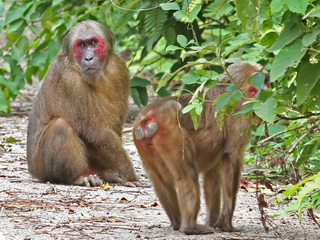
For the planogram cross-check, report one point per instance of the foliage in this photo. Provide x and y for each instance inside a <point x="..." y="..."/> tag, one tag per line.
<point x="182" y="46"/>
<point x="307" y="194"/>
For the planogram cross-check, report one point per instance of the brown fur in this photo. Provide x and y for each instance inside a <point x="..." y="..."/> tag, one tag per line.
<point x="76" y="123"/>
<point x="176" y="154"/>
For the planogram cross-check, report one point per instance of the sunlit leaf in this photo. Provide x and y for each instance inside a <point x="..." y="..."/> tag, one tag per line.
<point x="266" y="110"/>
<point x="169" y="6"/>
<point x="190" y="78"/>
<point x="289" y="56"/>
<point x="306" y="81"/>
<point x="139" y="82"/>
<point x="182" y="40"/>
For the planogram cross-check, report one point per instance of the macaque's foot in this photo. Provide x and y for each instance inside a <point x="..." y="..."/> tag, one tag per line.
<point x="226" y="227"/>
<point x="90" y="180"/>
<point x="175" y="226"/>
<point x="198" y="229"/>
<point x="133" y="184"/>
<point x="114" y="177"/>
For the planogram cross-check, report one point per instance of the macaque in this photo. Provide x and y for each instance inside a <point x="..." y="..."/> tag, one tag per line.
<point x="75" y="126"/>
<point x="174" y="154"/>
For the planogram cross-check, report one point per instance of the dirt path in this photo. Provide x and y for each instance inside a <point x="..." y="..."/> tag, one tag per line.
<point x="33" y="210"/>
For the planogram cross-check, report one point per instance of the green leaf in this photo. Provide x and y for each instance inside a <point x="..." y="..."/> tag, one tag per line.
<point x="4" y="104"/>
<point x="139" y="96"/>
<point x="16" y="12"/>
<point x="315" y="12"/>
<point x="237" y="95"/>
<point x="12" y="140"/>
<point x="182" y="16"/>
<point x="182" y="40"/>
<point x="12" y="87"/>
<point x="266" y="110"/>
<point x="195" y="118"/>
<point x="218" y="8"/>
<point x="194" y="12"/>
<point x="190" y="78"/>
<point x="269" y="38"/>
<point x="17" y="25"/>
<point x="297" y="6"/>
<point x="198" y="109"/>
<point x="289" y="56"/>
<point x="245" y="109"/>
<point x="248" y="12"/>
<point x="231" y="88"/>
<point x="310" y="38"/>
<point x="170" y="36"/>
<point x="188" y="108"/>
<point x="139" y="82"/>
<point x="172" y="48"/>
<point x="222" y="101"/>
<point x="306" y="153"/>
<point x="34" y="29"/>
<point x="277" y="5"/>
<point x="257" y="80"/>
<point x="169" y="6"/>
<point x="307" y="78"/>
<point x="164" y="80"/>
<point x="291" y="31"/>
<point x="39" y="58"/>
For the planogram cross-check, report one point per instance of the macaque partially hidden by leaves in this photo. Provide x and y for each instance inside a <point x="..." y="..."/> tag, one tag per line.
<point x="174" y="154"/>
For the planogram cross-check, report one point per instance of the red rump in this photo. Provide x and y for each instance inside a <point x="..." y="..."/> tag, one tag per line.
<point x="151" y="118"/>
<point x="99" y="49"/>
<point x="147" y="120"/>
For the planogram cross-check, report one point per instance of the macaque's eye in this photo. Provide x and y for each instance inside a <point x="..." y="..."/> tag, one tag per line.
<point x="93" y="42"/>
<point x="82" y="45"/>
<point x="267" y="79"/>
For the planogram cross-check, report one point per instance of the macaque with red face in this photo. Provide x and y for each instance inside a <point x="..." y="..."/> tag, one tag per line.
<point x="75" y="126"/>
<point x="174" y="154"/>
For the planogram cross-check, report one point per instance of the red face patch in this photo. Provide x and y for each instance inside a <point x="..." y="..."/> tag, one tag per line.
<point x="252" y="91"/>
<point x="96" y="43"/>
<point x="101" y="48"/>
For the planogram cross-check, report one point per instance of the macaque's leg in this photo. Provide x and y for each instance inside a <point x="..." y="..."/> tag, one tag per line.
<point x="111" y="160"/>
<point x="60" y="154"/>
<point x="165" y="190"/>
<point x="177" y="152"/>
<point x="212" y="193"/>
<point x="231" y="171"/>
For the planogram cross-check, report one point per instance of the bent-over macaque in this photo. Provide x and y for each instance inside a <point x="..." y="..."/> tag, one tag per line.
<point x="174" y="154"/>
<point x="75" y="126"/>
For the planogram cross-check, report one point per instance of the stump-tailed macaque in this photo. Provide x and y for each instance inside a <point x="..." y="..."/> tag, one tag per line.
<point x="174" y="154"/>
<point x="75" y="126"/>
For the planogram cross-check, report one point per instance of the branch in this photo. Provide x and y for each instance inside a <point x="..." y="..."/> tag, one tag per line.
<point x="279" y="133"/>
<point x="135" y="10"/>
<point x="300" y="117"/>
<point x="301" y="138"/>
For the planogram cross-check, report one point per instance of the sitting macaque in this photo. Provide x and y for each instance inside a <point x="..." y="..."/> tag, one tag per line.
<point x="174" y="154"/>
<point x="75" y="126"/>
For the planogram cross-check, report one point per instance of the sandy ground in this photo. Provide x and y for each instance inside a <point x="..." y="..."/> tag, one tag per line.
<point x="33" y="210"/>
